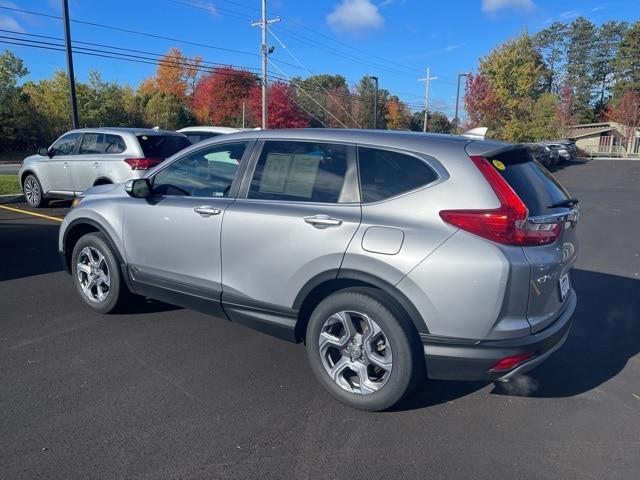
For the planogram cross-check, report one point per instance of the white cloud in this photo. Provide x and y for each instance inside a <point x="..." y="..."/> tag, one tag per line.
<point x="355" y="16"/>
<point x="491" y="6"/>
<point x="452" y="47"/>
<point x="10" y="23"/>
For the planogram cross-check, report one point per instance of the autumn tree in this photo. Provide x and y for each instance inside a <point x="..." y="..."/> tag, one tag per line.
<point x="627" y="113"/>
<point x="481" y="104"/>
<point x="283" y="111"/>
<point x="219" y="95"/>
<point x="398" y="114"/>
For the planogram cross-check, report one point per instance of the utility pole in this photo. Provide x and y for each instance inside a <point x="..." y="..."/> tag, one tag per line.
<point x="427" y="81"/>
<point x="264" y="23"/>
<point x="72" y="81"/>
<point x="375" y="104"/>
<point x="456" y="119"/>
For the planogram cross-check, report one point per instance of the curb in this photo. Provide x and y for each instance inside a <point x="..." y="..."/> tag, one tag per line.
<point x="14" y="198"/>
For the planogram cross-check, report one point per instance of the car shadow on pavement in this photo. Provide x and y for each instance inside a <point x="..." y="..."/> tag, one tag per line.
<point x="146" y="305"/>
<point x="604" y="336"/>
<point x="28" y="249"/>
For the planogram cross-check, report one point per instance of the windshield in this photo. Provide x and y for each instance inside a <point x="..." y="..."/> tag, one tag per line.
<point x="162" y="146"/>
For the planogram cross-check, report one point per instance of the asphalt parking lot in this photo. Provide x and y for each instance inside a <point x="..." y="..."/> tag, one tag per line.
<point x="168" y="393"/>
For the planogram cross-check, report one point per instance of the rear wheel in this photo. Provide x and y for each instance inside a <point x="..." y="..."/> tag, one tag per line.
<point x="360" y="350"/>
<point x="33" y="192"/>
<point x="97" y="275"/>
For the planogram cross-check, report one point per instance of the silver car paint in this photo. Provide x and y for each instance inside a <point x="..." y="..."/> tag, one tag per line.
<point x="462" y="285"/>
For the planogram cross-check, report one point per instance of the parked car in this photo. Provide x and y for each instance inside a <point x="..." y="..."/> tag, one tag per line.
<point x="544" y="154"/>
<point x="197" y="134"/>
<point x="566" y="150"/>
<point x="82" y="158"/>
<point x="389" y="254"/>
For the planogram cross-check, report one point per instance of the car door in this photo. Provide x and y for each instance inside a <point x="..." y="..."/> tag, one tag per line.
<point x="293" y="220"/>
<point x="57" y="176"/>
<point x="85" y="166"/>
<point x="172" y="238"/>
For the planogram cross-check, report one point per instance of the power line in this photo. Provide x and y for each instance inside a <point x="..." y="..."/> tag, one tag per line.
<point x="315" y="79"/>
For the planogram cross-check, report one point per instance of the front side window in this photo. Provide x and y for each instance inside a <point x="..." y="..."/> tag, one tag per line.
<point x="114" y="144"/>
<point x="300" y="171"/>
<point x="208" y="172"/>
<point x="92" y="143"/>
<point x="385" y="174"/>
<point x="66" y="144"/>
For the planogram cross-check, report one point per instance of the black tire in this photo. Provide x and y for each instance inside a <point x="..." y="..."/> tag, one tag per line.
<point x="33" y="193"/>
<point x="401" y="337"/>
<point x="118" y="295"/>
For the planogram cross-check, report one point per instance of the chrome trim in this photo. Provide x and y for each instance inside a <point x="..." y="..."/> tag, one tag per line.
<point x="571" y="215"/>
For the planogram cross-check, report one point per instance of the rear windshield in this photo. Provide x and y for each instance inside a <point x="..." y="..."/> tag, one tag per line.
<point x="533" y="183"/>
<point x="162" y="146"/>
<point x="199" y="136"/>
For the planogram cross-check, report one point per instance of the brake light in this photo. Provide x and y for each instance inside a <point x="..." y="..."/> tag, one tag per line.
<point x="506" y="224"/>
<point x="142" y="163"/>
<point x="509" y="363"/>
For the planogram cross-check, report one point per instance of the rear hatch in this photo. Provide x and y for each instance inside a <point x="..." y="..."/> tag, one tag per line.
<point x="550" y="207"/>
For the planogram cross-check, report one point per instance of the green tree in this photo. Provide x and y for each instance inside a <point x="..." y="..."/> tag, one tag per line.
<point x="16" y="111"/>
<point x="552" y="43"/>
<point x="544" y="122"/>
<point x="580" y="55"/>
<point x="364" y="103"/>
<point x="517" y="76"/>
<point x="326" y="97"/>
<point x="437" y="122"/>
<point x="608" y="38"/>
<point x="166" y="110"/>
<point x="627" y="62"/>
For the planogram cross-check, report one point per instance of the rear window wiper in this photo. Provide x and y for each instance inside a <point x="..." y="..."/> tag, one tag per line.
<point x="569" y="202"/>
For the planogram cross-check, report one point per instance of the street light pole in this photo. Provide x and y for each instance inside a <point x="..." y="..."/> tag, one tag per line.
<point x="427" y="81"/>
<point x="456" y="119"/>
<point x="72" y="81"/>
<point x="375" y="104"/>
<point x="263" y="23"/>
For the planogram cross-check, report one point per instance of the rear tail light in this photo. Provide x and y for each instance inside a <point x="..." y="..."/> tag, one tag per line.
<point x="142" y="163"/>
<point x="507" y="224"/>
<point x="511" y="362"/>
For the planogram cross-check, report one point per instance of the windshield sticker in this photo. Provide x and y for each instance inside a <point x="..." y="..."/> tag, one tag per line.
<point x="498" y="164"/>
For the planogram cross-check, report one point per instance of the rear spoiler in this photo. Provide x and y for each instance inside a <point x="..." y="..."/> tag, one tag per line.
<point x="492" y="148"/>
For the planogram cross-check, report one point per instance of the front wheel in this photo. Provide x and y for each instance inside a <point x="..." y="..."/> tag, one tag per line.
<point x="33" y="192"/>
<point x="360" y="350"/>
<point x="97" y="275"/>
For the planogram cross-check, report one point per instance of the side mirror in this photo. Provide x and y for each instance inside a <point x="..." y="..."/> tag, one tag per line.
<point x="138" y="187"/>
<point x="44" y="152"/>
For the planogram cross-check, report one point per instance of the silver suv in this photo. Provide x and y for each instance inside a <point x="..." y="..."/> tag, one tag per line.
<point x="80" y="159"/>
<point x="390" y="255"/>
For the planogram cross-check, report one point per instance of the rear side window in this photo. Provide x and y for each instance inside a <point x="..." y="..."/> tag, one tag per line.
<point x="300" y="171"/>
<point x="92" y="143"/>
<point x="385" y="174"/>
<point x="114" y="144"/>
<point x="533" y="183"/>
<point x="162" y="146"/>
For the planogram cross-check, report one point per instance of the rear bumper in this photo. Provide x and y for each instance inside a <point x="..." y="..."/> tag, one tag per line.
<point x="456" y="359"/>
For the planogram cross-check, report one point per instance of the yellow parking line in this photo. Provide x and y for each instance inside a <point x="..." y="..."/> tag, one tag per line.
<point x="33" y="214"/>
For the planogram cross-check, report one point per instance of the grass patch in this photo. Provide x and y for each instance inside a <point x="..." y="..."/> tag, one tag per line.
<point x="9" y="184"/>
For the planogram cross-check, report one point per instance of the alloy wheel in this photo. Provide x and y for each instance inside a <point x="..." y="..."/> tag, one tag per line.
<point x="93" y="274"/>
<point x="32" y="191"/>
<point x="355" y="352"/>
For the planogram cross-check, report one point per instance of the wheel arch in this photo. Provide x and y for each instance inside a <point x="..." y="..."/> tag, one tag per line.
<point x="25" y="174"/>
<point x="102" y="181"/>
<point x="76" y="230"/>
<point x="326" y="283"/>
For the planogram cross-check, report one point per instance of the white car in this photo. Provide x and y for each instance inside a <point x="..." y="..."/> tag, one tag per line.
<point x="197" y="134"/>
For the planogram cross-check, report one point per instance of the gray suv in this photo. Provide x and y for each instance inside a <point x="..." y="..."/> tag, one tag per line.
<point x="391" y="255"/>
<point x="82" y="158"/>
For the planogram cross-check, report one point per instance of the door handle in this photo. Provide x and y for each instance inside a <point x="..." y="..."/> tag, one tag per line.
<point x="66" y="165"/>
<point x="206" y="211"/>
<point x="96" y="164"/>
<point x="323" y="221"/>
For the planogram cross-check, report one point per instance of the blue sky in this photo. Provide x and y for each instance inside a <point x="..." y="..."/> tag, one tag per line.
<point x="395" y="40"/>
